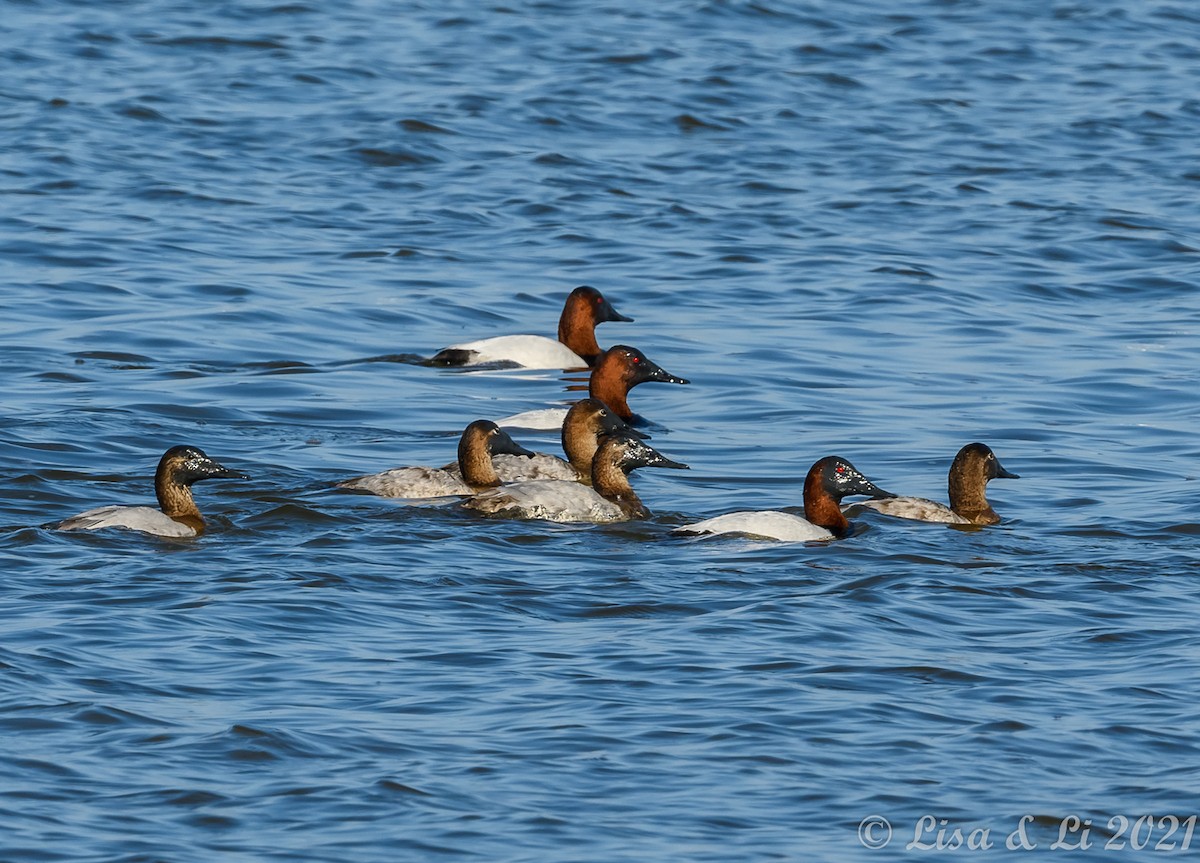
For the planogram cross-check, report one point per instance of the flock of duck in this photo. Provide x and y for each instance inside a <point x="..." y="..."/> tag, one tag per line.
<point x="495" y="475"/>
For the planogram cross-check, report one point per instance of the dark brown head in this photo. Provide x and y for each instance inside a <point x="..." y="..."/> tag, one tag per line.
<point x="584" y="309"/>
<point x="972" y="469"/>
<point x="618" y="455"/>
<point x="586" y="423"/>
<point x="829" y="480"/>
<point x="179" y="467"/>
<point x="485" y="435"/>
<point x="620" y="369"/>
<point x="184" y="465"/>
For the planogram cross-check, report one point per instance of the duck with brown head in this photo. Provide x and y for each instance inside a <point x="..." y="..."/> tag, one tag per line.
<point x="610" y="498"/>
<point x="586" y="423"/>
<point x="480" y="442"/>
<point x="828" y="481"/>
<point x="972" y="469"/>
<point x="576" y="347"/>
<point x="177" y="515"/>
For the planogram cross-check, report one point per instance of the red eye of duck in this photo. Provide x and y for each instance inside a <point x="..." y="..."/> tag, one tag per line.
<point x="599" y="300"/>
<point x="841" y="468"/>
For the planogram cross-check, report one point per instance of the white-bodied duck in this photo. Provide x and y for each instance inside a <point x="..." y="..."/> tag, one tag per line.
<point x="575" y="348"/>
<point x="828" y="481"/>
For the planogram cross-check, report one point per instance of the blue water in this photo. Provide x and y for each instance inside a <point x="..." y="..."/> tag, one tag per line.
<point x="877" y="232"/>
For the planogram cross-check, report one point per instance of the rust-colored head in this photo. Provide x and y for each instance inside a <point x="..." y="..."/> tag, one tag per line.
<point x="829" y="480"/>
<point x="584" y="309"/>
<point x="620" y="369"/>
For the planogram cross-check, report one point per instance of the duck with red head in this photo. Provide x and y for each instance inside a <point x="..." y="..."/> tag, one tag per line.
<point x="970" y="472"/>
<point x="576" y="347"/>
<point x="177" y="515"/>
<point x="620" y="369"/>
<point x="828" y="481"/>
<point x="585" y="425"/>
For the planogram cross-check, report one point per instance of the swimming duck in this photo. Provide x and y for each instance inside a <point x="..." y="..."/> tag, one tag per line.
<point x="610" y="498"/>
<point x="829" y="480"/>
<point x="619" y="369"/>
<point x="576" y="346"/>
<point x="970" y="471"/>
<point x="480" y="441"/>
<point x="585" y="424"/>
<point x="177" y="515"/>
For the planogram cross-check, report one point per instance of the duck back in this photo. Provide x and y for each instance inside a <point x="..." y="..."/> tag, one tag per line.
<point x="916" y="509"/>
<point x="531" y="352"/>
<point x="548" y="500"/>
<point x="146" y="519"/>
<point x="771" y="524"/>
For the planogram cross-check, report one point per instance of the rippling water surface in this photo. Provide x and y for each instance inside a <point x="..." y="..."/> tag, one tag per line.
<point x="876" y="232"/>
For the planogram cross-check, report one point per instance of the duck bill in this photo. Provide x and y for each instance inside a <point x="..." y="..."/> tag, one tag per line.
<point x="503" y="444"/>
<point x="864" y="486"/>
<point x="215" y="470"/>
<point x="651" y="371"/>
<point x="1001" y="473"/>
<point x="608" y="313"/>
<point x="653" y="458"/>
<point x="613" y="424"/>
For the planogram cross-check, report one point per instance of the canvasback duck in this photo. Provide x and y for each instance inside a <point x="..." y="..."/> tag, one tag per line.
<point x="177" y="515"/>
<point x="585" y="424"/>
<point x="576" y="347"/>
<point x="970" y="472"/>
<point x="619" y="369"/>
<point x="828" y="481"/>
<point x="610" y="497"/>
<point x="479" y="443"/>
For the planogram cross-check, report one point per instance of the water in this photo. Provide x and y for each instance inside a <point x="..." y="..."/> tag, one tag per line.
<point x="880" y="233"/>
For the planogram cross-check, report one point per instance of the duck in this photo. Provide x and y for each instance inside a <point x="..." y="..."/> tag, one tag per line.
<point x="480" y="442"/>
<point x="970" y="472"/>
<point x="177" y="514"/>
<point x="619" y="369"/>
<point x="585" y="424"/>
<point x="609" y="499"/>
<point x="576" y="347"/>
<point x="828" y="481"/>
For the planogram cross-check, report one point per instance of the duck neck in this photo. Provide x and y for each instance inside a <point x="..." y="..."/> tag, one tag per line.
<point x="821" y="509"/>
<point x="475" y="462"/>
<point x="579" y="443"/>
<point x="612" y="483"/>
<point x="611" y="389"/>
<point x="176" y="502"/>
<point x="968" y="499"/>
<point x="578" y="332"/>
